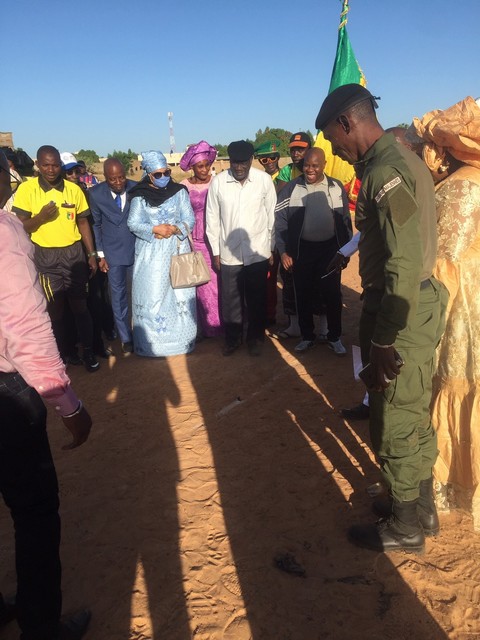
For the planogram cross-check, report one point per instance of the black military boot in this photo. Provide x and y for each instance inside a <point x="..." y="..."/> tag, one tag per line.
<point x="427" y="511"/>
<point x="402" y="531"/>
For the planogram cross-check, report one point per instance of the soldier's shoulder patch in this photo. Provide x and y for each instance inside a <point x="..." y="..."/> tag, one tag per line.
<point x="386" y="187"/>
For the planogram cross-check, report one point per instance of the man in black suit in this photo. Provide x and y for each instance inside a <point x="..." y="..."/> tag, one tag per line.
<point x="114" y="241"/>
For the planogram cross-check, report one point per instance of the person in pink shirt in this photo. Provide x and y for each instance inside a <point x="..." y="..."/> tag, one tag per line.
<point x="198" y="158"/>
<point x="31" y="370"/>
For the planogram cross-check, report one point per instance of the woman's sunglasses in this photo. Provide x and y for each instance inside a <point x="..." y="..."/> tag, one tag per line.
<point x="162" y="174"/>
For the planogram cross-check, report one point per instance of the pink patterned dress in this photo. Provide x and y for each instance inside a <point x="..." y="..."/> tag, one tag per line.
<point x="208" y="308"/>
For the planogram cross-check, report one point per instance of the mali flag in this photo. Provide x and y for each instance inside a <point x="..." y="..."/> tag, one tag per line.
<point x="345" y="68"/>
<point x="345" y="71"/>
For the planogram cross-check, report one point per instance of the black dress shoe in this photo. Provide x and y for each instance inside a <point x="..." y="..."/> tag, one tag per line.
<point x="73" y="358"/>
<point x="90" y="361"/>
<point x="229" y="349"/>
<point x="8" y="610"/>
<point x="255" y="348"/>
<point x="127" y="347"/>
<point x="104" y="353"/>
<point x="75" y="626"/>
<point x="360" y="412"/>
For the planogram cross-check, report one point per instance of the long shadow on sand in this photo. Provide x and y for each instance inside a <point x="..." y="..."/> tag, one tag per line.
<point x="292" y="478"/>
<point x="120" y="507"/>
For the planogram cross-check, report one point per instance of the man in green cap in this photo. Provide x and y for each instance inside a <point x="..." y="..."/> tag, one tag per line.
<point x="268" y="155"/>
<point x="402" y="316"/>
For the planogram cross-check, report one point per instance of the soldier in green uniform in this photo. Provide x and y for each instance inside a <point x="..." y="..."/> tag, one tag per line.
<point x="402" y="316"/>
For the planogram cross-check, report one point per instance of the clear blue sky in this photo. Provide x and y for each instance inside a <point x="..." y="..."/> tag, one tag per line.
<point x="103" y="74"/>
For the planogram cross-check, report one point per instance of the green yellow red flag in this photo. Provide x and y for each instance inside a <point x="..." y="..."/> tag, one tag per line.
<point x="346" y="70"/>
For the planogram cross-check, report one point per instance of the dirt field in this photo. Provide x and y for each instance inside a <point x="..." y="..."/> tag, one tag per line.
<point x="202" y="471"/>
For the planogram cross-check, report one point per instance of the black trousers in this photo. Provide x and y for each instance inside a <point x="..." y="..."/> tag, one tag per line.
<point x="244" y="287"/>
<point x="28" y="484"/>
<point x="100" y="309"/>
<point x="308" y="270"/>
<point x="63" y="273"/>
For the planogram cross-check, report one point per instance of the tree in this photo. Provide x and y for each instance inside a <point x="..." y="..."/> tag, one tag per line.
<point x="127" y="158"/>
<point x="221" y="149"/>
<point x="281" y="135"/>
<point x="89" y="156"/>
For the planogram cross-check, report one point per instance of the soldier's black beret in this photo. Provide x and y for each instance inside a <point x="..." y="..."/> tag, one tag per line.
<point x="340" y="100"/>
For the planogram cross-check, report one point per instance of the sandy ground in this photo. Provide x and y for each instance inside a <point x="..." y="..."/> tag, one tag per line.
<point x="202" y="470"/>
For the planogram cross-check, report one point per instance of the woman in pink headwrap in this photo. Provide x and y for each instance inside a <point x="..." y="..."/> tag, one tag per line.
<point x="451" y="150"/>
<point x="199" y="158"/>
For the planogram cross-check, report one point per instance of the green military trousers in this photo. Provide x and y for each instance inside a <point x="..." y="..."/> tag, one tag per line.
<point x="401" y="431"/>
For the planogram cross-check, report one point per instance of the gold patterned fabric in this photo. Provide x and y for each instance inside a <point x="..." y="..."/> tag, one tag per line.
<point x="456" y="397"/>
<point x="456" y="130"/>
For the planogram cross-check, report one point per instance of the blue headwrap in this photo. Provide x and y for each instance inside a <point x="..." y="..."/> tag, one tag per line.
<point x="153" y="160"/>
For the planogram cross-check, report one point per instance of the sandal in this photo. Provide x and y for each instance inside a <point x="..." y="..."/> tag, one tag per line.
<point x="284" y="334"/>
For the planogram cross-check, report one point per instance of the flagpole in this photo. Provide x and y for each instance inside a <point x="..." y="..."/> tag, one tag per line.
<point x="343" y="15"/>
<point x="345" y="70"/>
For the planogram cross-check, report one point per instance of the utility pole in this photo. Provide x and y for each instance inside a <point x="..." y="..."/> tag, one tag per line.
<point x="172" y="137"/>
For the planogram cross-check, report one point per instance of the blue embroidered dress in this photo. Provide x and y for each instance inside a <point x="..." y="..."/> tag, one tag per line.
<point x="164" y="319"/>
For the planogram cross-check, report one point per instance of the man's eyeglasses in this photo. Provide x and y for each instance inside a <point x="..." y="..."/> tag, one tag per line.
<point x="268" y="159"/>
<point x="75" y="171"/>
<point x="162" y="174"/>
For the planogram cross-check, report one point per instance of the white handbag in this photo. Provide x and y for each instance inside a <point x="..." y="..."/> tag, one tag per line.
<point x="188" y="269"/>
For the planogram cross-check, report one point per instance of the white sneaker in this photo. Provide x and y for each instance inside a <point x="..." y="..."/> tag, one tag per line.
<point x="337" y="347"/>
<point x="304" y="345"/>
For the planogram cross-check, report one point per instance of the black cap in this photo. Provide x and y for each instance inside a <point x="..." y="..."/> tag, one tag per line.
<point x="300" y="139"/>
<point x="240" y="151"/>
<point x="340" y="101"/>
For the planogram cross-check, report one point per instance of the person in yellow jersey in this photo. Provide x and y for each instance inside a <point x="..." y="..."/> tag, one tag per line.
<point x="54" y="212"/>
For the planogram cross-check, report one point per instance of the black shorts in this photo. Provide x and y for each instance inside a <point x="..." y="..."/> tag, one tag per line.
<point x="62" y="270"/>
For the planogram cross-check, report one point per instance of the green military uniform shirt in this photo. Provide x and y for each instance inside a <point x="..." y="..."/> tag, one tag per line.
<point x="395" y="214"/>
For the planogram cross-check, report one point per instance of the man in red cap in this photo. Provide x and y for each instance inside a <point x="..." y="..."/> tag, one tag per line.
<point x="299" y="144"/>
